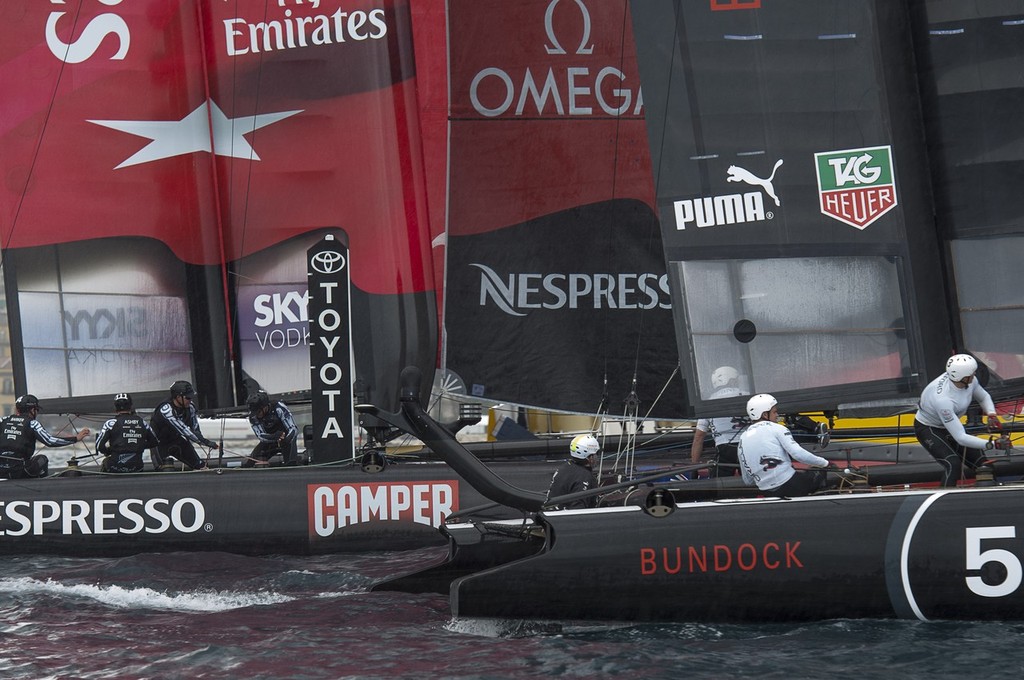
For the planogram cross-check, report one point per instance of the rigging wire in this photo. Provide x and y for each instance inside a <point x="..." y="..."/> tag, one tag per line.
<point x="42" y="133"/>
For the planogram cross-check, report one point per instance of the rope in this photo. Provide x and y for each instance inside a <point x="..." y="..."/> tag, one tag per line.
<point x="42" y="133"/>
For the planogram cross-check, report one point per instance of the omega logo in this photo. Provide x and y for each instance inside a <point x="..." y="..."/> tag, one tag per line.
<point x="550" y="29"/>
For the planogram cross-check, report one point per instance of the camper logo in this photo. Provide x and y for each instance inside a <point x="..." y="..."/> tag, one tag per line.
<point x="333" y="507"/>
<point x="856" y="186"/>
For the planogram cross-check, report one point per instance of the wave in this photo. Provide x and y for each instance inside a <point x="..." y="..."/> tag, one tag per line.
<point x="143" y="598"/>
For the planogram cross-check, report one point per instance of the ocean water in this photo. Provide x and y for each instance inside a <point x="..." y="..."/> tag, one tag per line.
<point x="214" y="615"/>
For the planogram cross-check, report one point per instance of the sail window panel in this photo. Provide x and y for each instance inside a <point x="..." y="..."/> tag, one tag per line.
<point x="818" y="321"/>
<point x="122" y="265"/>
<point x="36" y="269"/>
<point x="54" y="374"/>
<point x="148" y="371"/>
<point x="46" y="329"/>
<point x="98" y="317"/>
<point x="101" y="266"/>
<point x="273" y="327"/>
<point x="47" y="374"/>
<point x="991" y="305"/>
<point x="78" y="345"/>
<point x="104" y="322"/>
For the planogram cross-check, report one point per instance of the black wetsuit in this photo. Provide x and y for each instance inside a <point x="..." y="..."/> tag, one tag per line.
<point x="177" y="429"/>
<point x="122" y="440"/>
<point x="18" y="437"/>
<point x="573" y="476"/>
<point x="268" y="429"/>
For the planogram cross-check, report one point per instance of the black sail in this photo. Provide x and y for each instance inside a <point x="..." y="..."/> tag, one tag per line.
<point x="795" y="198"/>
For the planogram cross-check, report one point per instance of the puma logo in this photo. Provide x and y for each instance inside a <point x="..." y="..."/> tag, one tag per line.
<point x="738" y="174"/>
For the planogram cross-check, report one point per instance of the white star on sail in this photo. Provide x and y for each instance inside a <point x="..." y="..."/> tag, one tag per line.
<point x="192" y="133"/>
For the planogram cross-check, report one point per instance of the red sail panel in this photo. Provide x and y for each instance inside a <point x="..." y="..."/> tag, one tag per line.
<point x="64" y="66"/>
<point x="228" y="135"/>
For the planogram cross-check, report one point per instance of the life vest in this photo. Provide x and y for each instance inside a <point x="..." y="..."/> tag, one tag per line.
<point x="16" y="436"/>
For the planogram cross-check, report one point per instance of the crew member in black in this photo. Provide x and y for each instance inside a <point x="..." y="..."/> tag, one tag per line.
<point x="273" y="425"/>
<point x="576" y="474"/>
<point x="123" y="438"/>
<point x="18" y="436"/>
<point x="176" y="425"/>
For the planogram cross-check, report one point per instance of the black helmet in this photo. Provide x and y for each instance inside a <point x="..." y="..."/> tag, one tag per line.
<point x="123" y="402"/>
<point x="257" y="400"/>
<point x="26" y="402"/>
<point x="182" y="388"/>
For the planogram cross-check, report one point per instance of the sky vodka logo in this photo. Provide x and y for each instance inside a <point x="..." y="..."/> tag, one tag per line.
<point x="856" y="186"/>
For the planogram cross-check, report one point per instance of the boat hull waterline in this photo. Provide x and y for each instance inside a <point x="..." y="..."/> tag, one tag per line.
<point x="950" y="554"/>
<point x="302" y="510"/>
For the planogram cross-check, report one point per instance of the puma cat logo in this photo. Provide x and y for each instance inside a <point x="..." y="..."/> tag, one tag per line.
<point x="738" y="174"/>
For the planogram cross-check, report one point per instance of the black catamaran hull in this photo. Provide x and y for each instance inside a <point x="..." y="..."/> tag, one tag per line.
<point x="280" y="511"/>
<point x="941" y="554"/>
<point x="918" y="554"/>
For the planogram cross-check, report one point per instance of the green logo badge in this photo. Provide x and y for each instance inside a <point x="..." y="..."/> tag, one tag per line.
<point x="856" y="186"/>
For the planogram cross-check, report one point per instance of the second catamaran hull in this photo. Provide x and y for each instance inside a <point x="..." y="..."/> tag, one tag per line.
<point x="303" y="510"/>
<point x="925" y="555"/>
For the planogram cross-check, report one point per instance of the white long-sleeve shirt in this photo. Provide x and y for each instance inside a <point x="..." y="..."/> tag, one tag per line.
<point x="726" y="429"/>
<point x="943" y="402"/>
<point x="766" y="454"/>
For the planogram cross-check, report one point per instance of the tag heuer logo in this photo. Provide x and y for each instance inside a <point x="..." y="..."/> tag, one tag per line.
<point x="856" y="186"/>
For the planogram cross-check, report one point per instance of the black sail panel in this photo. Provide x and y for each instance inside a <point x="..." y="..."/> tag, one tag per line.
<point x="971" y="56"/>
<point x="794" y="199"/>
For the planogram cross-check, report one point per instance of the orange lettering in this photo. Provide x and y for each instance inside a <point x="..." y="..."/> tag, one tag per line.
<point x="701" y="559"/>
<point x="679" y="560"/>
<point x="647" y="564"/>
<point x="753" y="557"/>
<point x="791" y="557"/>
<point x="722" y="550"/>
<point x="773" y="564"/>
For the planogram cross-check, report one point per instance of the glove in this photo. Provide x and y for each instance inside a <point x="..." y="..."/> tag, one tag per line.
<point x="1004" y="443"/>
<point x="994" y="424"/>
<point x="212" y="445"/>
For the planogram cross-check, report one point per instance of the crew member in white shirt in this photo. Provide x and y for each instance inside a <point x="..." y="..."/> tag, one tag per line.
<point x="937" y="423"/>
<point x="725" y="429"/>
<point x="767" y="451"/>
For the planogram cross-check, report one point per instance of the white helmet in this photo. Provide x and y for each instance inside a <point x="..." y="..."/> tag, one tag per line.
<point x="583" y="446"/>
<point x="961" y="366"/>
<point x="759" y="404"/>
<point x="723" y="375"/>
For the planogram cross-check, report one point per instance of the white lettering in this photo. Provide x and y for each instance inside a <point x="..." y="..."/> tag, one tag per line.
<point x="323" y="521"/>
<point x="93" y="35"/>
<point x="573" y="291"/>
<point x="716" y="211"/>
<point x="15" y="514"/>
<point x="291" y="32"/>
<point x="102" y="516"/>
<point x="338" y="506"/>
<point x="493" y="90"/>
<point x="332" y="428"/>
